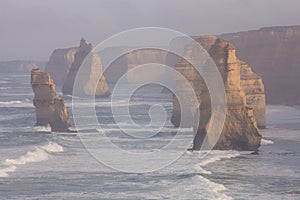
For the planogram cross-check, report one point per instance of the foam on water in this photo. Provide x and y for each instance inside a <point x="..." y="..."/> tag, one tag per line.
<point x="16" y="103"/>
<point x="214" y="189"/>
<point x="4" y="172"/>
<point x="40" y="153"/>
<point x="266" y="142"/>
<point x="10" y="102"/>
<point x="42" y="129"/>
<point x="214" y="156"/>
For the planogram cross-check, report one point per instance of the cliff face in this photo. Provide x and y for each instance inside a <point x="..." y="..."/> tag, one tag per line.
<point x="144" y="56"/>
<point x="129" y="61"/>
<point x="118" y="67"/>
<point x="49" y="108"/>
<point x="240" y="130"/>
<point x="59" y="64"/>
<point x="92" y="70"/>
<point x="61" y="60"/>
<point x="273" y="53"/>
<point x="255" y="93"/>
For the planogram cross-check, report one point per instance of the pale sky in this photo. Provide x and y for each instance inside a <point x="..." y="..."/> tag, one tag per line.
<point x="32" y="29"/>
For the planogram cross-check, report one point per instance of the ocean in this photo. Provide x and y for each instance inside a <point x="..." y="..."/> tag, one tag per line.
<point x="37" y="164"/>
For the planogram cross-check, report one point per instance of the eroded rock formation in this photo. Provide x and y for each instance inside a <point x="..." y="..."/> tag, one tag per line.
<point x="91" y="71"/>
<point x="273" y="53"/>
<point x="145" y="56"/>
<point x="50" y="109"/>
<point x="240" y="130"/>
<point x="60" y="63"/>
<point x="255" y="93"/>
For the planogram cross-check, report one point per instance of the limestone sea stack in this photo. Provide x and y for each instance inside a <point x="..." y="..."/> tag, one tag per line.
<point x="240" y="130"/>
<point x="50" y="109"/>
<point x="91" y="73"/>
<point x="60" y="63"/>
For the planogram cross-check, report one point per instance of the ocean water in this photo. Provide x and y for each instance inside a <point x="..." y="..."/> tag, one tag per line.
<point x="35" y="164"/>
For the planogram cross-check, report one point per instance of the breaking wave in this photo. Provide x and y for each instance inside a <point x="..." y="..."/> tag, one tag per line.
<point x="39" y="154"/>
<point x="214" y="188"/>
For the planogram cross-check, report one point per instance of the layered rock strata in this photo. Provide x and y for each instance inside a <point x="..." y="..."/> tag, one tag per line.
<point x="255" y="93"/>
<point x="50" y="109"/>
<point x="91" y="72"/>
<point x="140" y="57"/>
<point x="240" y="130"/>
<point x="60" y="63"/>
<point x="273" y="53"/>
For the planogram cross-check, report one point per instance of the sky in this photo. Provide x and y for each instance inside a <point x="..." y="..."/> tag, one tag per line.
<point x="32" y="29"/>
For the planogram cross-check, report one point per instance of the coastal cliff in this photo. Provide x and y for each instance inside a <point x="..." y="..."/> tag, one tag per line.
<point x="50" y="109"/>
<point x="144" y="56"/>
<point x="240" y="130"/>
<point x="273" y="53"/>
<point x="91" y="73"/>
<point x="60" y="63"/>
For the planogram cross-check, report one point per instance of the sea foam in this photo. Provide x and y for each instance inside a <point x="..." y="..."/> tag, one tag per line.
<point x="39" y="154"/>
<point x="266" y="142"/>
<point x="10" y="102"/>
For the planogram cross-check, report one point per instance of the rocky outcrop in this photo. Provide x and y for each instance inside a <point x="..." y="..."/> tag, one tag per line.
<point x="61" y="61"/>
<point x="255" y="93"/>
<point x="240" y="130"/>
<point x="273" y="53"/>
<point x="50" y="109"/>
<point x="91" y="72"/>
<point x="59" y="64"/>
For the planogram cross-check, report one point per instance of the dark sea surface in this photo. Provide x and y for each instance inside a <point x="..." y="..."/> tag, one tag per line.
<point x="35" y="164"/>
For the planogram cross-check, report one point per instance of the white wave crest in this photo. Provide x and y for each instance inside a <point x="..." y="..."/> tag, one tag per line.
<point x="212" y="157"/>
<point x="215" y="189"/>
<point x="10" y="102"/>
<point x="4" y="172"/>
<point x="40" y="153"/>
<point x="42" y="129"/>
<point x="218" y="155"/>
<point x="266" y="142"/>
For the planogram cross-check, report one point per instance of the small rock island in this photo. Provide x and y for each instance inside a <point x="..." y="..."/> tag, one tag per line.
<point x="50" y="109"/>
